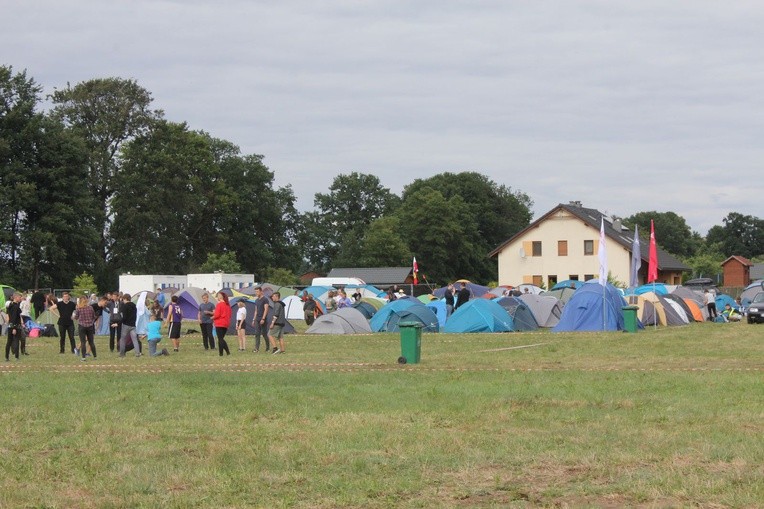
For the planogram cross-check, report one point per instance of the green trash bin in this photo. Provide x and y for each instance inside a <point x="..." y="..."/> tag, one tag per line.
<point x="411" y="342"/>
<point x="630" y="318"/>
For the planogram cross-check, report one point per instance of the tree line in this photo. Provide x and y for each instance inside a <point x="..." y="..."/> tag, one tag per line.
<point x="101" y="183"/>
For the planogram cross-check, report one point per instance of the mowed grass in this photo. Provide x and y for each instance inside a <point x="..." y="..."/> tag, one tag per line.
<point x="667" y="417"/>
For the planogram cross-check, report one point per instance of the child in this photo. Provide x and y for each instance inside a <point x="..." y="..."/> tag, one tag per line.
<point x="241" y="322"/>
<point x="154" y="336"/>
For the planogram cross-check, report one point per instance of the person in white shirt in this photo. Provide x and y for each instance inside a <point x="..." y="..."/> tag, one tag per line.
<point x="241" y="326"/>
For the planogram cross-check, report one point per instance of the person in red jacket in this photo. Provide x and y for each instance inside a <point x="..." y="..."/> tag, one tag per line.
<point x="221" y="319"/>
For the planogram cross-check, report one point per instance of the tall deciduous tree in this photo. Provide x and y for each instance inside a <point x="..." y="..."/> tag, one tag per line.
<point x="354" y="201"/>
<point x="671" y="231"/>
<point x="489" y="214"/>
<point x="47" y="225"/>
<point x="741" y="235"/>
<point x="106" y="113"/>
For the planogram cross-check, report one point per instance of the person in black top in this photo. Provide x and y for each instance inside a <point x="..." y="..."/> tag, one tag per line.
<point x="66" y="309"/>
<point x="15" y="328"/>
<point x="463" y="296"/>
<point x="449" y="300"/>
<point x="129" y="315"/>
<point x="115" y="324"/>
<point x="38" y="303"/>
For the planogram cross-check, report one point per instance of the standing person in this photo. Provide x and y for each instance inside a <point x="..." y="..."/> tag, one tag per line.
<point x="221" y="319"/>
<point x="344" y="301"/>
<point x="206" y="310"/>
<point x="260" y="320"/>
<point x="241" y="326"/>
<point x="309" y="308"/>
<point x="26" y="308"/>
<point x="357" y="296"/>
<point x="98" y="308"/>
<point x="115" y="321"/>
<point x="15" y="328"/>
<point x="449" y="300"/>
<point x="161" y="298"/>
<point x="391" y="294"/>
<point x="331" y="302"/>
<point x="463" y="296"/>
<point x="277" y="324"/>
<point x="129" y="312"/>
<point x="173" y="320"/>
<point x="66" y="308"/>
<point x="710" y="299"/>
<point x="38" y="303"/>
<point x="86" y="321"/>
<point x="154" y="335"/>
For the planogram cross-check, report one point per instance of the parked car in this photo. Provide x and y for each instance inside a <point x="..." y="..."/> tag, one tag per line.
<point x="755" y="310"/>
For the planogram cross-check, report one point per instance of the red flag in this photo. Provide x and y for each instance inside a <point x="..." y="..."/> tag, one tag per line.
<point x="416" y="270"/>
<point x="652" y="267"/>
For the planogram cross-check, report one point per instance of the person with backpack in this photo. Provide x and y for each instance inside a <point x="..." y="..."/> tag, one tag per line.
<point x="277" y="324"/>
<point x="173" y="320"/>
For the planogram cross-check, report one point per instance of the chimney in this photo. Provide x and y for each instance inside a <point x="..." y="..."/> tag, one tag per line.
<point x="575" y="204"/>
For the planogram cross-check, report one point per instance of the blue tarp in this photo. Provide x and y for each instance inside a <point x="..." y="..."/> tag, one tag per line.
<point x="403" y="310"/>
<point x="658" y="288"/>
<point x="479" y="315"/>
<point x="584" y="310"/>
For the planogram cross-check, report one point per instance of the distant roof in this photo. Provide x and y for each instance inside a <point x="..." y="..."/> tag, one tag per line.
<point x="374" y="276"/>
<point x="620" y="234"/>
<point x="757" y="272"/>
<point x="743" y="261"/>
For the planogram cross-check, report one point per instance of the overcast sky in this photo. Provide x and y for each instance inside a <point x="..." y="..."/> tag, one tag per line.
<point x="625" y="106"/>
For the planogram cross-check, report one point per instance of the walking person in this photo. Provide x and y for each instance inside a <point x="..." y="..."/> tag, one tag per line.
<point x="86" y="324"/>
<point x="241" y="326"/>
<point x="221" y="319"/>
<point x="129" y="312"/>
<point x="15" y="328"/>
<point x="259" y="322"/>
<point x="277" y="324"/>
<point x="66" y="308"/>
<point x="309" y="309"/>
<point x="173" y="320"/>
<point x="206" y="310"/>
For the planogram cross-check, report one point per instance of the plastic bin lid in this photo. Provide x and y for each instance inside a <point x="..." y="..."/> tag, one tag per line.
<point x="630" y="307"/>
<point x="410" y="324"/>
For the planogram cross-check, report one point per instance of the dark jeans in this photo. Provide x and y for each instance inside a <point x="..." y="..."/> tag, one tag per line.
<point x="87" y="333"/>
<point x="114" y="334"/>
<point x="222" y="345"/>
<point x="711" y="310"/>
<point x="207" y="338"/>
<point x="264" y="333"/>
<point x="63" y="329"/>
<point x="12" y="344"/>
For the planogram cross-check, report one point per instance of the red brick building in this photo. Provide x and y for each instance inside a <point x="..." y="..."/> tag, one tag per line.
<point x="737" y="271"/>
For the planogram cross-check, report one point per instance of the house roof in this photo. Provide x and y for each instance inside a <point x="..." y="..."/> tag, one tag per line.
<point x="375" y="275"/>
<point x="619" y="234"/>
<point x="743" y="261"/>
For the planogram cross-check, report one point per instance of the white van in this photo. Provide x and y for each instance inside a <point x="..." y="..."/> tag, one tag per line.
<point x="337" y="281"/>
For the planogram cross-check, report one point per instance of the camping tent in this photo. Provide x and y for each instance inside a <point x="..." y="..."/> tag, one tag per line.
<point x="403" y="310"/>
<point x="750" y="292"/>
<point x="6" y="294"/>
<point x="669" y="314"/>
<point x="521" y="314"/>
<point x="723" y="299"/>
<point x="369" y="306"/>
<point x="687" y="292"/>
<point x="568" y="283"/>
<point x="593" y="308"/>
<point x="189" y="300"/>
<point x="657" y="288"/>
<point x="475" y="290"/>
<point x="293" y="307"/>
<point x="535" y="290"/>
<point x="479" y="315"/>
<point x="647" y="312"/>
<point x="547" y="309"/>
<point x="688" y="313"/>
<point x="564" y="294"/>
<point x="439" y="308"/>
<point x="342" y="321"/>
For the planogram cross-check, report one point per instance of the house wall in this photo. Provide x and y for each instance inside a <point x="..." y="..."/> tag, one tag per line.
<point x="218" y="281"/>
<point x="514" y="269"/>
<point x="736" y="274"/>
<point x="134" y="283"/>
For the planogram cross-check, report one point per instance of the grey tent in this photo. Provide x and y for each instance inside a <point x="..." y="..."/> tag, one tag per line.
<point x="343" y="321"/>
<point x="547" y="309"/>
<point x="520" y="312"/>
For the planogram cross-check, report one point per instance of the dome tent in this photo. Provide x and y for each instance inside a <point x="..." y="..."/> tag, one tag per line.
<point x="479" y="315"/>
<point x="593" y="308"/>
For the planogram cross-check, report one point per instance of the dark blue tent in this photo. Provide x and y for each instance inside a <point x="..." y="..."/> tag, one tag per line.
<point x="366" y="309"/>
<point x="584" y="310"/>
<point x="521" y="314"/>
<point x="479" y="315"/>
<point x="403" y="310"/>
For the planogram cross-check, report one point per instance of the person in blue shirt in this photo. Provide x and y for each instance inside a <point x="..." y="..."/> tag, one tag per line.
<point x="154" y="336"/>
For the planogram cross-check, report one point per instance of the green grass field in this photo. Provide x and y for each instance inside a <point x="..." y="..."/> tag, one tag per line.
<point x="672" y="417"/>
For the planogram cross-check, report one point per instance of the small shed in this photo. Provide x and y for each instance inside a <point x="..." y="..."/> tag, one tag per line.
<point x="737" y="271"/>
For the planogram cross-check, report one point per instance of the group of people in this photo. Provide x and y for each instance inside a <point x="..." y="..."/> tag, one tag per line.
<point x="122" y="313"/>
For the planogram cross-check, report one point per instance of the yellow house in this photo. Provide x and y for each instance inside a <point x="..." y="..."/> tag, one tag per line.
<point x="564" y="244"/>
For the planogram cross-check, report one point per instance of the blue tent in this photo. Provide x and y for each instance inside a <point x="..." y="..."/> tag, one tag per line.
<point x="722" y="299"/>
<point x="366" y="309"/>
<point x="403" y="310"/>
<point x="658" y="288"/>
<point x="439" y="308"/>
<point x="479" y="315"/>
<point x="568" y="283"/>
<point x="521" y="314"/>
<point x="584" y="310"/>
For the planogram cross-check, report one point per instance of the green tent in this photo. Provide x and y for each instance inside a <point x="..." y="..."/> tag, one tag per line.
<point x="6" y="294"/>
